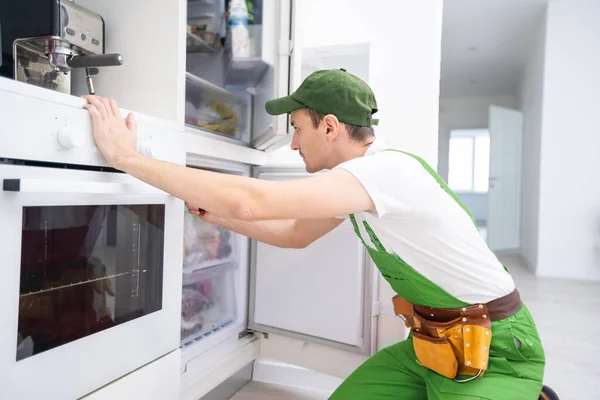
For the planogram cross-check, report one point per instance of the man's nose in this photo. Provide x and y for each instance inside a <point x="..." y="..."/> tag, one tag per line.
<point x="294" y="146"/>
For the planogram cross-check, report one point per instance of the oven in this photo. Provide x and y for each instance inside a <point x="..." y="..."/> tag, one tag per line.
<point x="90" y="259"/>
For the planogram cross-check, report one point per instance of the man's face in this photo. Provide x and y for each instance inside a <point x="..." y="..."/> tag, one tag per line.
<point x="310" y="142"/>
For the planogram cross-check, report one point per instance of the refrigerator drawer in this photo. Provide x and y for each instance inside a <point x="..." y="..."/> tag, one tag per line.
<point x="208" y="301"/>
<point x="217" y="110"/>
<point x="207" y="245"/>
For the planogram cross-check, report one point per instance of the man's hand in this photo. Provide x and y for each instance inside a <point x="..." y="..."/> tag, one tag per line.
<point x="116" y="138"/>
<point x="208" y="217"/>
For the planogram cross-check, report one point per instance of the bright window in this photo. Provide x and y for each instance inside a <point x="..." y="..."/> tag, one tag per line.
<point x="469" y="161"/>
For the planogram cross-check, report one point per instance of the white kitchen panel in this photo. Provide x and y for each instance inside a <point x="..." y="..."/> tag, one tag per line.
<point x="159" y="380"/>
<point x="61" y="129"/>
<point x="300" y="292"/>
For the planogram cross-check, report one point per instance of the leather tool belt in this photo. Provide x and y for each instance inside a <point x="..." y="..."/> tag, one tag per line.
<point x="455" y="341"/>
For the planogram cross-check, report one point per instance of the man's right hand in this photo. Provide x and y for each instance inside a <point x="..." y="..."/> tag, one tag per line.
<point x="206" y="216"/>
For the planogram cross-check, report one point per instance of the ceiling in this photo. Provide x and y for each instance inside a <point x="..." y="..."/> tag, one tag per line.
<point x="485" y="44"/>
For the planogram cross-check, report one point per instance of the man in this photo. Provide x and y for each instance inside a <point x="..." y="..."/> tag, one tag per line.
<point x="471" y="336"/>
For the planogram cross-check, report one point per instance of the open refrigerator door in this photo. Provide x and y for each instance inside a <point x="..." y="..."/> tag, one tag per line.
<point x="296" y="293"/>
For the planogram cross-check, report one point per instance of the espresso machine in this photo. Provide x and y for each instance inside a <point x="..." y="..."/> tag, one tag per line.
<point x="44" y="40"/>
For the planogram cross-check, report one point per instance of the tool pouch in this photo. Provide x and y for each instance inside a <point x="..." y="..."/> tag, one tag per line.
<point x="436" y="354"/>
<point x="451" y="347"/>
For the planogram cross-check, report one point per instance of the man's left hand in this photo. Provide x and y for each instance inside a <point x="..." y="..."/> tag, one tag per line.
<point x="115" y="137"/>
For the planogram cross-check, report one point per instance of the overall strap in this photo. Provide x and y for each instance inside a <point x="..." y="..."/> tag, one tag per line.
<point x="439" y="180"/>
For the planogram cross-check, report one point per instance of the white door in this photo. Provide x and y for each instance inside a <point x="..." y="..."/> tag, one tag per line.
<point x="504" y="196"/>
<point x="321" y="295"/>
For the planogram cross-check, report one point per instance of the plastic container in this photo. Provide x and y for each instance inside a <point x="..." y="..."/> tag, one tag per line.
<point x="208" y="301"/>
<point x="214" y="109"/>
<point x="206" y="245"/>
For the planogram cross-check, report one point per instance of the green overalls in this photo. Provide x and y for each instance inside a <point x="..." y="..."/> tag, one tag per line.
<point x="516" y="357"/>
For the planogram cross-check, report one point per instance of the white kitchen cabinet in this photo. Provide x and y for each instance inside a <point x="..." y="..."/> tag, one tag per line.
<point x="179" y="65"/>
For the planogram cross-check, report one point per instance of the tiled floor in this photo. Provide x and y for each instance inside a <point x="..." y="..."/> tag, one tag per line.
<point x="567" y="314"/>
<point x="264" y="391"/>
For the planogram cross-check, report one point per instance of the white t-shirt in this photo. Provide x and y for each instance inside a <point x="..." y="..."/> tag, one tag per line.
<point x="416" y="219"/>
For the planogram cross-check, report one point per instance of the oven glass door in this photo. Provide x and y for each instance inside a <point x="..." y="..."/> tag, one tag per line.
<point x="85" y="289"/>
<point x="86" y="268"/>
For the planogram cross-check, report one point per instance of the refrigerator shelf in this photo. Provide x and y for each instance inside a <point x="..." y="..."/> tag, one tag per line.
<point x="203" y="84"/>
<point x="191" y="268"/>
<point x="196" y="44"/>
<point x="245" y="70"/>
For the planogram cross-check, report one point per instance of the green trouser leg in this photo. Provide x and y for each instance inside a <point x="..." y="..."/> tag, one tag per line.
<point x="516" y="369"/>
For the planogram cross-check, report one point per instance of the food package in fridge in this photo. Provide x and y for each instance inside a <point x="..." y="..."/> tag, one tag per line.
<point x="208" y="301"/>
<point x="226" y="121"/>
<point x="205" y="244"/>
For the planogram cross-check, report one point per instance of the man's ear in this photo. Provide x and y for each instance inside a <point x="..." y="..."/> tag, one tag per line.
<point x="332" y="126"/>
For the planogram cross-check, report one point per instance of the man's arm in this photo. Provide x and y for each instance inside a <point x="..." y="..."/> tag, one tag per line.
<point x="327" y="195"/>
<point x="288" y="233"/>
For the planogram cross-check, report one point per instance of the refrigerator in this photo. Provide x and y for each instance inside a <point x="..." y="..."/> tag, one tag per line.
<point x="234" y="287"/>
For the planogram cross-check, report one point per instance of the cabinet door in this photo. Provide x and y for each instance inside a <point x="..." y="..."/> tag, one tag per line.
<point x="321" y="294"/>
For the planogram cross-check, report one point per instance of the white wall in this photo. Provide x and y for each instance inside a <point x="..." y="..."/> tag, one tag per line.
<point x="464" y="113"/>
<point x="405" y="52"/>
<point x="531" y="93"/>
<point x="405" y="48"/>
<point x="569" y="220"/>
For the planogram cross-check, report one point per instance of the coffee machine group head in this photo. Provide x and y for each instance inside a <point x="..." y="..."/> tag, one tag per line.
<point x="44" y="40"/>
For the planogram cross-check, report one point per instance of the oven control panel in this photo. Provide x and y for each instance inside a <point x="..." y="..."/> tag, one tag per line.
<point x="69" y="139"/>
<point x="43" y="129"/>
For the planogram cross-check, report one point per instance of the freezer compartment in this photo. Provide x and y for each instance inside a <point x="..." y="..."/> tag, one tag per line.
<point x="208" y="301"/>
<point x="216" y="110"/>
<point x="206" y="245"/>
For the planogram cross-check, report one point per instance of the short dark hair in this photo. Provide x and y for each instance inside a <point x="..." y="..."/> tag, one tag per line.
<point x="357" y="133"/>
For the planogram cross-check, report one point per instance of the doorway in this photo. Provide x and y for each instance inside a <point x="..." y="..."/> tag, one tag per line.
<point x="484" y="169"/>
<point x="485" y="49"/>
<point x="469" y="171"/>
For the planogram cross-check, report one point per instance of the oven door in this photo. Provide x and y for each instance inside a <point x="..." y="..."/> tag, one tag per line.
<point x="90" y="283"/>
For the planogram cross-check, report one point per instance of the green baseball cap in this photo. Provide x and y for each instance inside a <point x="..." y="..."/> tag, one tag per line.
<point x="331" y="91"/>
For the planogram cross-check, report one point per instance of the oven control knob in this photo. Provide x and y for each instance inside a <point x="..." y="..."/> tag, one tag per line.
<point x="69" y="138"/>
<point x="147" y="150"/>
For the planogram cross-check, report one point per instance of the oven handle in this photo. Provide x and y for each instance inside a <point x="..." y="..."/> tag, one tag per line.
<point x="79" y="187"/>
